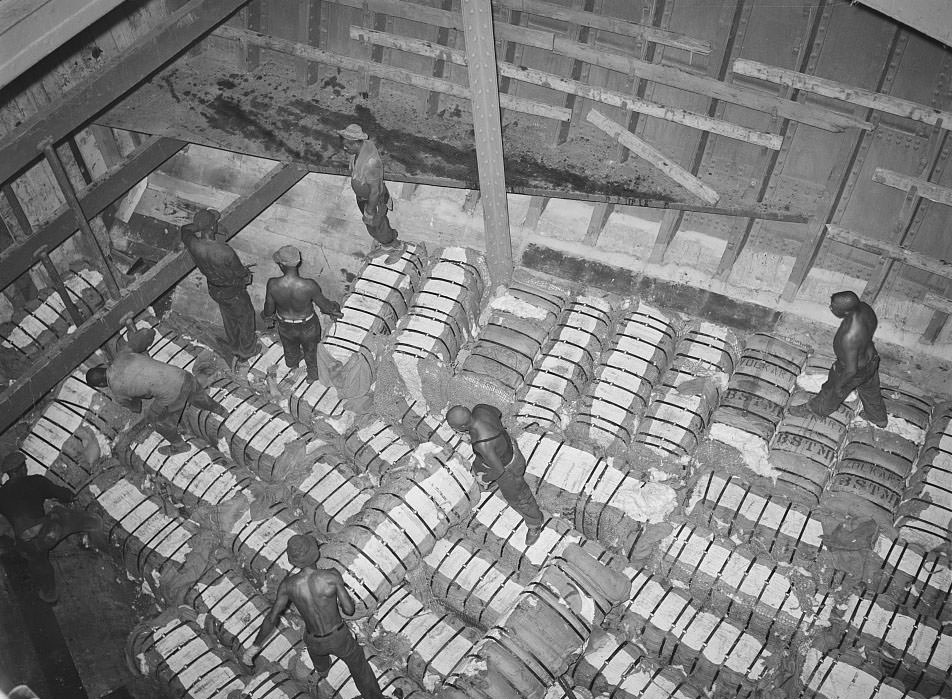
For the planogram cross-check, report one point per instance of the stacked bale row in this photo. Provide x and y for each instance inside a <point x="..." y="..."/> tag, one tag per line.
<point x="561" y="372"/>
<point x="507" y="344"/>
<point x="925" y="516"/>
<point x="836" y="675"/>
<point x="377" y="448"/>
<point x="638" y="354"/>
<point x="681" y="407"/>
<point x="45" y="320"/>
<point x="919" y="582"/>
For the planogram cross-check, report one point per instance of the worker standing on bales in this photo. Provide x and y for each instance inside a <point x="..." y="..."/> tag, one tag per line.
<point x="856" y="366"/>
<point x="498" y="461"/>
<point x="291" y="299"/>
<point x="21" y="501"/>
<point x="373" y="198"/>
<point x="228" y="279"/>
<point x="319" y="595"/>
<point x="134" y="376"/>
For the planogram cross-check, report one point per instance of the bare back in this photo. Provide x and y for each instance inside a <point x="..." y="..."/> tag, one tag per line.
<point x="317" y="594"/>
<point x="293" y="297"/>
<point x="853" y="342"/>
<point x="489" y="439"/>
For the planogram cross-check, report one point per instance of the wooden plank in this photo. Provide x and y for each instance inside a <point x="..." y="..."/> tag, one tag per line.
<point x="938" y="303"/>
<point x="596" y="94"/>
<point x="534" y="212"/>
<point x="17" y="259"/>
<point x="60" y="359"/>
<point x="292" y="48"/>
<point x="670" y="222"/>
<point x="653" y="156"/>
<point x="583" y="34"/>
<point x="316" y="35"/>
<point x="408" y="190"/>
<point x="837" y="90"/>
<point x="439" y="65"/>
<point x="895" y="252"/>
<point x="126" y="70"/>
<point x="600" y="215"/>
<point x="610" y="24"/>
<point x="927" y="190"/>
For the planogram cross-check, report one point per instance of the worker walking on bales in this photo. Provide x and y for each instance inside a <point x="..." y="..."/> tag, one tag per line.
<point x="291" y="299"/>
<point x="856" y="366"/>
<point x="498" y="461"/>
<point x="134" y="376"/>
<point x="228" y="279"/>
<point x="373" y="198"/>
<point x="319" y="595"/>
<point x="36" y="533"/>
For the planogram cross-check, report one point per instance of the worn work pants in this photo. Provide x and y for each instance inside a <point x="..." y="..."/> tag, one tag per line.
<point x="341" y="643"/>
<point x="167" y="423"/>
<point x="238" y="319"/>
<point x="36" y="543"/>
<point x="515" y="491"/>
<point x="300" y="340"/>
<point x="865" y="383"/>
<point x="380" y="229"/>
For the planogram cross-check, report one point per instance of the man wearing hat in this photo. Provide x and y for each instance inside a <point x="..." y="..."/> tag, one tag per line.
<point x="228" y="279"/>
<point x="290" y="299"/>
<point x="319" y="595"/>
<point x="134" y="376"/>
<point x="373" y="199"/>
<point x="37" y="533"/>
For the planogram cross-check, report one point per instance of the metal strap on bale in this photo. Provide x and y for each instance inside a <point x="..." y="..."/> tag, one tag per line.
<point x="673" y="423"/>
<point x="377" y="448"/>
<point x="925" y="516"/>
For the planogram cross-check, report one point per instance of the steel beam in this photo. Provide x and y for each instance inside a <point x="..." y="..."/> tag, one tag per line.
<point x="484" y="88"/>
<point x="127" y="69"/>
<point x="60" y="359"/>
<point x="17" y="259"/>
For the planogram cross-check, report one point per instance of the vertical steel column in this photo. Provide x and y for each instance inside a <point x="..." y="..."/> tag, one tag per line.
<point x="481" y="59"/>
<point x="67" y="188"/>
<point x="60" y="287"/>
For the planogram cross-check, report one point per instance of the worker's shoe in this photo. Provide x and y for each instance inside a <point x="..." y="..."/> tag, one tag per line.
<point x="802" y="411"/>
<point x="532" y="535"/>
<point x="311" y="377"/>
<point x="394" y="251"/>
<point x="177" y="448"/>
<point x="881" y="424"/>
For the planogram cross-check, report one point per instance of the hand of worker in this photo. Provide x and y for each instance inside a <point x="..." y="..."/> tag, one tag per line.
<point x="127" y="319"/>
<point x="368" y="219"/>
<point x="248" y="657"/>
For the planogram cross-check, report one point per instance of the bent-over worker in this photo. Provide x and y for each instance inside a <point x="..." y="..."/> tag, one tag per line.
<point x="37" y="533"/>
<point x="228" y="279"/>
<point x="497" y="460"/>
<point x="856" y="366"/>
<point x="319" y="595"/>
<point x="373" y="197"/>
<point x="133" y="376"/>
<point x="291" y="299"/>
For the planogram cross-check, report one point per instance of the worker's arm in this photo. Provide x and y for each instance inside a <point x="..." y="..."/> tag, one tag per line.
<point x="373" y="176"/>
<point x="267" y="313"/>
<point x="188" y="235"/>
<point x="494" y="465"/>
<point x="139" y="341"/>
<point x="56" y="492"/>
<point x="269" y="624"/>
<point x="331" y="308"/>
<point x="848" y="355"/>
<point x="343" y="597"/>
<point x="236" y="269"/>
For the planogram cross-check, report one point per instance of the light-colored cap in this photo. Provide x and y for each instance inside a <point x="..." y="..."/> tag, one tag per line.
<point x="353" y="132"/>
<point x="288" y="256"/>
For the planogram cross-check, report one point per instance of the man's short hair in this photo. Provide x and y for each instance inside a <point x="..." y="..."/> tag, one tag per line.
<point x="13" y="461"/>
<point x="458" y="416"/>
<point x="96" y="376"/>
<point x="206" y="219"/>
<point x="303" y="551"/>
<point x="844" y="300"/>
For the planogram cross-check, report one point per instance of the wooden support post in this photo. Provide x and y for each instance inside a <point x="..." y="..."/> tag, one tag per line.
<point x="316" y="35"/>
<point x="20" y="289"/>
<point x="439" y="65"/>
<point x="600" y="214"/>
<point x="942" y="309"/>
<point x="99" y="257"/>
<point x="53" y="365"/>
<point x="510" y="49"/>
<point x="534" y="213"/>
<point x="581" y="34"/>
<point x="895" y="252"/>
<point x="107" y="144"/>
<point x="74" y="313"/>
<point x="470" y="202"/>
<point x="378" y="22"/>
<point x="408" y="190"/>
<point x="646" y="54"/>
<point x="253" y="23"/>
<point x="23" y="223"/>
<point x="670" y="222"/>
<point x="481" y="59"/>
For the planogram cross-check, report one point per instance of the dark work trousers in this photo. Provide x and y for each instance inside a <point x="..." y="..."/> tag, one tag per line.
<point x="167" y="422"/>
<point x="515" y="491"/>
<point x="300" y="340"/>
<point x="341" y="643"/>
<point x="380" y="229"/>
<point x="865" y="383"/>
<point x="36" y="543"/>
<point x="238" y="319"/>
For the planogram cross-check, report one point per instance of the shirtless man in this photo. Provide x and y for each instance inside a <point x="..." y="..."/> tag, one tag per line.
<point x="291" y="299"/>
<point x="373" y="198"/>
<point x="856" y="366"/>
<point x="319" y="596"/>
<point x="228" y="280"/>
<point x="498" y="461"/>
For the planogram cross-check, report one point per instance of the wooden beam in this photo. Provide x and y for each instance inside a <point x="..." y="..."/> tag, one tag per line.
<point x="895" y="252"/>
<point x="534" y="212"/>
<point x="584" y="35"/>
<point x="670" y="222"/>
<point x="927" y="190"/>
<point x="127" y="69"/>
<point x="600" y="215"/>
<point x="938" y="303"/>
<point x="408" y="190"/>
<point x="17" y="259"/>
<point x="406" y="77"/>
<point x="580" y="89"/>
<point x="481" y="64"/>
<point x="653" y="156"/>
<point x="837" y="90"/>
<point x="931" y="17"/>
<point x="439" y="65"/>
<point x="60" y="359"/>
<point x="609" y="24"/>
